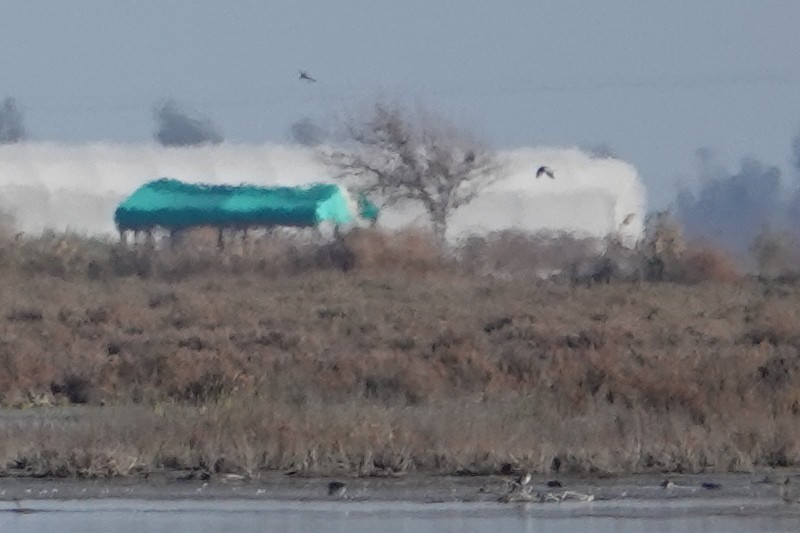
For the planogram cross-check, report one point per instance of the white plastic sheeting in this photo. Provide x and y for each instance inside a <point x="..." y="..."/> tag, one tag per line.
<point x="77" y="187"/>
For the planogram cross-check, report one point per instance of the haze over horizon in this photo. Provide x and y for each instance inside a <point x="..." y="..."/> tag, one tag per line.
<point x="652" y="82"/>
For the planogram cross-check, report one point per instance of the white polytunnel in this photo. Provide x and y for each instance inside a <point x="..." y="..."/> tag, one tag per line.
<point x="77" y="187"/>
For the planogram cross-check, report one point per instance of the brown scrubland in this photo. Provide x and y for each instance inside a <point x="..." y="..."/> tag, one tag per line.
<point x="380" y="354"/>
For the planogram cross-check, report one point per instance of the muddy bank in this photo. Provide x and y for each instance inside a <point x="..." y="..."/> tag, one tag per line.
<point x="721" y="515"/>
<point x="759" y="488"/>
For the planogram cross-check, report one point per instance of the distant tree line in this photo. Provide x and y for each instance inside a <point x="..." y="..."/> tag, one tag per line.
<point x="732" y="208"/>
<point x="176" y="127"/>
<point x="12" y="126"/>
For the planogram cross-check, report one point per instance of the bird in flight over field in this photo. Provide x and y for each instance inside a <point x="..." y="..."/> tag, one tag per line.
<point x="547" y="171"/>
<point x="304" y="76"/>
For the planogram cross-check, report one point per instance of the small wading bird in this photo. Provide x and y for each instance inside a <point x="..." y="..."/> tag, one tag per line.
<point x="789" y="494"/>
<point x="546" y="171"/>
<point x="304" y="76"/>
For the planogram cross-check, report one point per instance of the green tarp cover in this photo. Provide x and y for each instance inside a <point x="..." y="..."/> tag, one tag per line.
<point x="173" y="204"/>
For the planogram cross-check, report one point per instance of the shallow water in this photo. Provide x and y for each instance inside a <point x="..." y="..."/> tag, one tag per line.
<point x="245" y="516"/>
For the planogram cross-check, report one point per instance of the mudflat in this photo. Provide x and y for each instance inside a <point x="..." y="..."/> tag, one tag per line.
<point x="761" y="489"/>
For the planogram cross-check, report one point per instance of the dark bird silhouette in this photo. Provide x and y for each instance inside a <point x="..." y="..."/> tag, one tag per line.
<point x="304" y="76"/>
<point x="547" y="171"/>
<point x="788" y="492"/>
<point x="336" y="488"/>
<point x="709" y="485"/>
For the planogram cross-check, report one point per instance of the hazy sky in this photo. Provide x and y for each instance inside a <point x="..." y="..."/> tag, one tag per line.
<point x="654" y="80"/>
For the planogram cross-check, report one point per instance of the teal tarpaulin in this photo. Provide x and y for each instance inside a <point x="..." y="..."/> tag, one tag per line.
<point x="173" y="204"/>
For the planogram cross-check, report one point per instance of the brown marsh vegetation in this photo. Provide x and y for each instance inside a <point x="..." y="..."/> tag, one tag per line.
<point x="380" y="354"/>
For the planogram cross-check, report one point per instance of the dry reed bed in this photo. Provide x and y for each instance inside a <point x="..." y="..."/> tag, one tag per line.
<point x="389" y="367"/>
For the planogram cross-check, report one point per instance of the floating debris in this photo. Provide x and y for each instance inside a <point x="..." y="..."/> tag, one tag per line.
<point x="234" y="478"/>
<point x="579" y="496"/>
<point x="524" y="495"/>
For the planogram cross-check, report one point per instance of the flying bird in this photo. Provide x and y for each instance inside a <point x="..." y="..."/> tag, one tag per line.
<point x="547" y="171"/>
<point x="304" y="76"/>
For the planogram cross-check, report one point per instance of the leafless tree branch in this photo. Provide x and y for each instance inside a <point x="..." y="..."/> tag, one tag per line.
<point x="394" y="155"/>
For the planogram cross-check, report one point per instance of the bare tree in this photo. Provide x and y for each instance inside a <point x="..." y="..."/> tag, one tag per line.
<point x="663" y="246"/>
<point x="177" y="128"/>
<point x="12" y="129"/>
<point x="394" y="155"/>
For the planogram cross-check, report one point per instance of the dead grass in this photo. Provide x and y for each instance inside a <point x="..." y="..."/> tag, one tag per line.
<point x="514" y="253"/>
<point x="380" y="354"/>
<point x="410" y="251"/>
<point x="707" y="263"/>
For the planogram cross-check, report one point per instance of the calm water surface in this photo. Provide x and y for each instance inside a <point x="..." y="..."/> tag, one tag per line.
<point x="203" y="516"/>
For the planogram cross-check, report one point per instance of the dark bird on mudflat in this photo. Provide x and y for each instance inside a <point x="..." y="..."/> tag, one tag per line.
<point x="788" y="492"/>
<point x="336" y="488"/>
<point x="546" y="171"/>
<point x="304" y="76"/>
